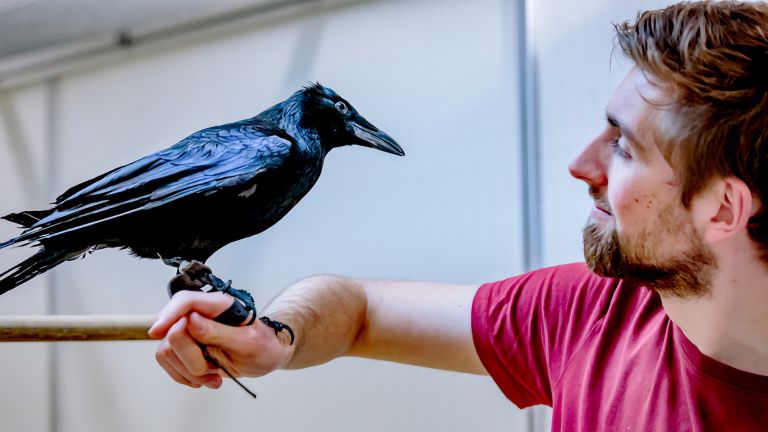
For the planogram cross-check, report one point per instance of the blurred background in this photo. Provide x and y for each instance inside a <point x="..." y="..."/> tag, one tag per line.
<point x="490" y="99"/>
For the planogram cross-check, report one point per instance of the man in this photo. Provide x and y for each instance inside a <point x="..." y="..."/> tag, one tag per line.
<point x="665" y="329"/>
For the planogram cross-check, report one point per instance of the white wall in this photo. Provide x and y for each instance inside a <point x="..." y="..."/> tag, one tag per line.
<point x="439" y="76"/>
<point x="577" y="76"/>
<point x="575" y="42"/>
<point x="24" y="373"/>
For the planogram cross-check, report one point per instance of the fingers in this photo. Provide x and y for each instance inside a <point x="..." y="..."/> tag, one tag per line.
<point x="181" y="357"/>
<point x="176" y="371"/>
<point x="172" y="366"/>
<point x="209" y="332"/>
<point x="244" y="351"/>
<point x="186" y="322"/>
<point x="187" y="350"/>
<point x="206" y="304"/>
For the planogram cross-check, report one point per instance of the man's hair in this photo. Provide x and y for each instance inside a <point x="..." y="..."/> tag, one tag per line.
<point x="713" y="58"/>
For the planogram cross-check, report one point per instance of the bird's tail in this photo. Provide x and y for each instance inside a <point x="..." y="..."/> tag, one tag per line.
<point x="25" y="219"/>
<point x="38" y="263"/>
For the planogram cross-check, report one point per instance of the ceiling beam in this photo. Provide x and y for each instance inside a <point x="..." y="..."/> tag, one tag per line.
<point x="32" y="68"/>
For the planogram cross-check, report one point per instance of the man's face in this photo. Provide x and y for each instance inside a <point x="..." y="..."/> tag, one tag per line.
<point x="638" y="229"/>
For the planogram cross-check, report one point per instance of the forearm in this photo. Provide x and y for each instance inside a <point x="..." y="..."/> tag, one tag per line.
<point x="419" y="323"/>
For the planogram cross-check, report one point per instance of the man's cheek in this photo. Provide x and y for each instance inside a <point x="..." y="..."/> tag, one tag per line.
<point x="628" y="208"/>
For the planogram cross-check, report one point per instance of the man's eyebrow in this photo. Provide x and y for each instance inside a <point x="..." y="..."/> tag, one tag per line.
<point x="625" y="131"/>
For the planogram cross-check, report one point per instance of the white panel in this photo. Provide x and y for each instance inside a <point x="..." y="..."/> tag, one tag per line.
<point x="24" y="372"/>
<point x="438" y="76"/>
<point x="27" y="25"/>
<point x="575" y="42"/>
<point x="577" y="76"/>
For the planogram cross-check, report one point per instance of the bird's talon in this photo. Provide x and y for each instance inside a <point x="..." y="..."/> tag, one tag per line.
<point x="172" y="262"/>
<point x="277" y="326"/>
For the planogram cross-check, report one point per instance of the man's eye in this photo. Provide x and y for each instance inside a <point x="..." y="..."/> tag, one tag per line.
<point x="618" y="150"/>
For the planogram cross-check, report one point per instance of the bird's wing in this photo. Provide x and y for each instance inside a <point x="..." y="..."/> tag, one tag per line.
<point x="205" y="162"/>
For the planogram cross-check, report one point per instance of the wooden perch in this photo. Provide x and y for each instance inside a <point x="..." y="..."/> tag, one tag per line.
<point x="58" y="328"/>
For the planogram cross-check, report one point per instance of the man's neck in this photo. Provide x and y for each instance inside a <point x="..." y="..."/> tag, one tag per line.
<point x="731" y="323"/>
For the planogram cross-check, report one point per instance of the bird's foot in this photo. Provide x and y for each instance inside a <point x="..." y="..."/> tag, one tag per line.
<point x="176" y="262"/>
<point x="194" y="276"/>
<point x="277" y="326"/>
<point x="226" y="287"/>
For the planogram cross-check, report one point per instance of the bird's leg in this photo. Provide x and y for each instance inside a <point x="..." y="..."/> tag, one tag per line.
<point x="226" y="287"/>
<point x="173" y="262"/>
<point x="198" y="271"/>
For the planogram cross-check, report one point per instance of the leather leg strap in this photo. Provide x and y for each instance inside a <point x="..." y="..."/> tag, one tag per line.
<point x="236" y="314"/>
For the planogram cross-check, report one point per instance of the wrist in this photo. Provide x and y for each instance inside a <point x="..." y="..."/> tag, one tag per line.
<point x="276" y="338"/>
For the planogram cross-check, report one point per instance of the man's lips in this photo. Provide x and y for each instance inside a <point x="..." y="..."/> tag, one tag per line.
<point x="597" y="197"/>
<point x="597" y="206"/>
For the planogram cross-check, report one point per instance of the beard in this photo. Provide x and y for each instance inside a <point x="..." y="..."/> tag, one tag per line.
<point x="672" y="260"/>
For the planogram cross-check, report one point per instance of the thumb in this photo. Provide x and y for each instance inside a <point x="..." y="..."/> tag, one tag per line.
<point x="210" y="332"/>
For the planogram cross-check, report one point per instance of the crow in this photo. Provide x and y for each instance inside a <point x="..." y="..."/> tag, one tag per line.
<point x="216" y="186"/>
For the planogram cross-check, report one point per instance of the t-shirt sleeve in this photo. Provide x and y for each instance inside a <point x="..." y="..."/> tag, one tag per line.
<point x="527" y="328"/>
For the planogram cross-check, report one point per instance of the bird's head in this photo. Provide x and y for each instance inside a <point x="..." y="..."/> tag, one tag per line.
<point x="338" y="123"/>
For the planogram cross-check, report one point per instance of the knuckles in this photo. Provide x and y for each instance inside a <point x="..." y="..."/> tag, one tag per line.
<point x="183" y="297"/>
<point x="161" y="354"/>
<point x="176" y="336"/>
<point x="198" y="369"/>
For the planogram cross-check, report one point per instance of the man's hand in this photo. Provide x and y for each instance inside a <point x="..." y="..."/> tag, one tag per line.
<point x="245" y="351"/>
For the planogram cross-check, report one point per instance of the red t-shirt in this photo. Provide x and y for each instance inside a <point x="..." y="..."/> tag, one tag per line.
<point x="604" y="355"/>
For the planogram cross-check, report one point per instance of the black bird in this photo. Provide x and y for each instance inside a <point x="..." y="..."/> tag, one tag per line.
<point x="214" y="187"/>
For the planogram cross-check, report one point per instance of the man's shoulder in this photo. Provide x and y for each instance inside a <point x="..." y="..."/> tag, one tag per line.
<point x="567" y="277"/>
<point x="552" y="312"/>
<point x="576" y="270"/>
<point x="561" y="290"/>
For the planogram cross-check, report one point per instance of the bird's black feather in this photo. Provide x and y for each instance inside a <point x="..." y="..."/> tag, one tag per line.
<point x="216" y="186"/>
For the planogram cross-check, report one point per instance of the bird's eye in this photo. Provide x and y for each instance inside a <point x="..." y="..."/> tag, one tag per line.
<point x="341" y="107"/>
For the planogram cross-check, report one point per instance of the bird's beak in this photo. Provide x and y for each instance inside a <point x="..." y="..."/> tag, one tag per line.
<point x="369" y="135"/>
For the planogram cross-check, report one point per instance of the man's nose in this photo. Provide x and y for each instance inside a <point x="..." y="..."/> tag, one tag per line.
<point x="591" y="164"/>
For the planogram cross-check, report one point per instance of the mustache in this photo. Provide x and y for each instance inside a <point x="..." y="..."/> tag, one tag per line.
<point x="599" y="199"/>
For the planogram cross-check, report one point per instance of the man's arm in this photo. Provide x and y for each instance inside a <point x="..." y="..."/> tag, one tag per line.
<point x="426" y="324"/>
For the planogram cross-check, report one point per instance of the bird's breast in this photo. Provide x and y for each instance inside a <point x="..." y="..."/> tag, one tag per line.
<point x="270" y="197"/>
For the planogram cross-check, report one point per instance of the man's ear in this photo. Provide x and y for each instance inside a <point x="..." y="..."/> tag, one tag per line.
<point x="732" y="207"/>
